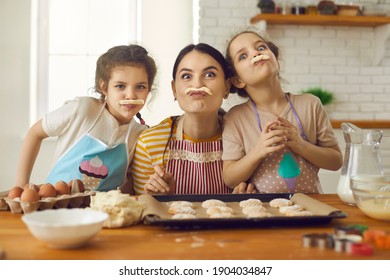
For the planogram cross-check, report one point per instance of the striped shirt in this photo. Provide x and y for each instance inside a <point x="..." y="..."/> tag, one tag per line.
<point x="150" y="151"/>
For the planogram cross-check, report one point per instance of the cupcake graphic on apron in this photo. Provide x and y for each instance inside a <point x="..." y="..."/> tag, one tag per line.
<point x="93" y="171"/>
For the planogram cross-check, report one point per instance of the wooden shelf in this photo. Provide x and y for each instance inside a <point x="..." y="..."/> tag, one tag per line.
<point x="365" y="21"/>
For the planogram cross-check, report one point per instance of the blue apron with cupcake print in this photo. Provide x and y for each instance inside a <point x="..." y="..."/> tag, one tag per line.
<point x="99" y="166"/>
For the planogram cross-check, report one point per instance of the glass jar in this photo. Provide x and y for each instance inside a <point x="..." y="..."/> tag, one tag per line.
<point x="311" y="8"/>
<point x="361" y="159"/>
<point x="298" y="8"/>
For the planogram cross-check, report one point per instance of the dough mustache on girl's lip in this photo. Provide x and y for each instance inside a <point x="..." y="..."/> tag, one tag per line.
<point x="131" y="101"/>
<point x="202" y="89"/>
<point x="260" y="57"/>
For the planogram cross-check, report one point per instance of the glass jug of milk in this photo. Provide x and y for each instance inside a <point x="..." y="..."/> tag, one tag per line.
<point x="361" y="159"/>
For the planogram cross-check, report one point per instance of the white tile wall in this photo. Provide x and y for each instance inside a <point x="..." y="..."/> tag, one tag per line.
<point x="337" y="58"/>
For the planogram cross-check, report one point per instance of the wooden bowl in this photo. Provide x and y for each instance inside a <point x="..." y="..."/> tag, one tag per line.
<point x="348" y="10"/>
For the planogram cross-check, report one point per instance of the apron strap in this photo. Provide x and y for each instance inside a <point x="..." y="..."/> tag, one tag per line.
<point x="257" y="115"/>
<point x="303" y="134"/>
<point x="127" y="142"/>
<point x="98" y="116"/>
<point x="179" y="130"/>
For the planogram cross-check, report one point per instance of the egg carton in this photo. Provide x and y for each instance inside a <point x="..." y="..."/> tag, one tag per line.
<point x="75" y="200"/>
<point x="3" y="204"/>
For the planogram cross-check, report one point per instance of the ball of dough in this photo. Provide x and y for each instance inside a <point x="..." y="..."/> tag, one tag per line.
<point x="122" y="209"/>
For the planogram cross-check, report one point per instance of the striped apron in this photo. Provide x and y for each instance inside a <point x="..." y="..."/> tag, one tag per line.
<point x="196" y="167"/>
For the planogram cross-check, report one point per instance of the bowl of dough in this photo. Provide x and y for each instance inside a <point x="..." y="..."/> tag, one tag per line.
<point x="372" y="195"/>
<point x="65" y="228"/>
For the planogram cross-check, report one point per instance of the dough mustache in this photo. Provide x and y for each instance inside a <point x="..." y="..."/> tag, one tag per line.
<point x="260" y="57"/>
<point x="204" y="89"/>
<point x="131" y="101"/>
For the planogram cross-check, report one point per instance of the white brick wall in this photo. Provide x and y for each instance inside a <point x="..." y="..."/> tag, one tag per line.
<point x="338" y="59"/>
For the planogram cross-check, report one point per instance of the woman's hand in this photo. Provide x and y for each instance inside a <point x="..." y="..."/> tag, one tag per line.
<point x="160" y="182"/>
<point x="244" y="188"/>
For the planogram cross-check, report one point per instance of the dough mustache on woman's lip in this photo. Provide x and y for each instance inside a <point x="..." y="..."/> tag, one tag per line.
<point x="131" y="101"/>
<point x="204" y="89"/>
<point x="260" y="57"/>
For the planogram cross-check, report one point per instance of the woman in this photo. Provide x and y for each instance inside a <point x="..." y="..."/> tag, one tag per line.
<point x="182" y="154"/>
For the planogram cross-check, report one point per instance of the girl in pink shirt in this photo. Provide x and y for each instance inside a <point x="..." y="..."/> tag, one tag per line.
<point x="276" y="140"/>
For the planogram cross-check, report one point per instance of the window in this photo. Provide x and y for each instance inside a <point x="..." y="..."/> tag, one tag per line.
<point x="67" y="39"/>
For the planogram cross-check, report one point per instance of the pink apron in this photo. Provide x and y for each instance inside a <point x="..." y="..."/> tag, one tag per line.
<point x="196" y="167"/>
<point x="284" y="171"/>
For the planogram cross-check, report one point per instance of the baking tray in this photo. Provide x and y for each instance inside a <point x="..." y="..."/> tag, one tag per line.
<point x="240" y="221"/>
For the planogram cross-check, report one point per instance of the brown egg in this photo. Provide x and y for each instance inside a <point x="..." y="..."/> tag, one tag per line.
<point x="31" y="186"/>
<point x="62" y="188"/>
<point x="15" y="192"/>
<point x="76" y="185"/>
<point x="47" y="190"/>
<point x="29" y="195"/>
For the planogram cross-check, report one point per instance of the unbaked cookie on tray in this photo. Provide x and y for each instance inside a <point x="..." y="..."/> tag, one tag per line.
<point x="212" y="202"/>
<point x="181" y="203"/>
<point x="250" y="202"/>
<point x="279" y="202"/>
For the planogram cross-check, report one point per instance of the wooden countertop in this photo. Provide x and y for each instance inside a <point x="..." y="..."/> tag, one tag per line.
<point x="145" y="242"/>
<point x="379" y="124"/>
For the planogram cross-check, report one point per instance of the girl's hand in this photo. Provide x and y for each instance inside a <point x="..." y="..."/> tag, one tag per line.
<point x="160" y="182"/>
<point x="244" y="188"/>
<point x="271" y="139"/>
<point x="293" y="139"/>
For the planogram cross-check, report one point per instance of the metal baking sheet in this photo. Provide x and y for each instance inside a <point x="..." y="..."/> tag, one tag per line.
<point x="238" y="222"/>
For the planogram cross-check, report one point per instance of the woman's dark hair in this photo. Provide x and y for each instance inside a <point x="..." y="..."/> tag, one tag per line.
<point x="133" y="55"/>
<point x="229" y="61"/>
<point x="203" y="48"/>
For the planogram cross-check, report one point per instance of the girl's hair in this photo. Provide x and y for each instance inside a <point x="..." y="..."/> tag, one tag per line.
<point x="229" y="61"/>
<point x="131" y="55"/>
<point x="203" y="48"/>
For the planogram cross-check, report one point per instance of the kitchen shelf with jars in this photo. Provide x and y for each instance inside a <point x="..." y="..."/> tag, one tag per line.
<point x="335" y="20"/>
<point x="319" y="13"/>
<point x="327" y="13"/>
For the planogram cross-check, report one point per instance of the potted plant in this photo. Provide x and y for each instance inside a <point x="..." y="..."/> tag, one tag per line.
<point x="325" y="96"/>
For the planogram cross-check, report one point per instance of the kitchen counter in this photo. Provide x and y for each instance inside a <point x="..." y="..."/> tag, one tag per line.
<point x="146" y="242"/>
<point x="379" y="124"/>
